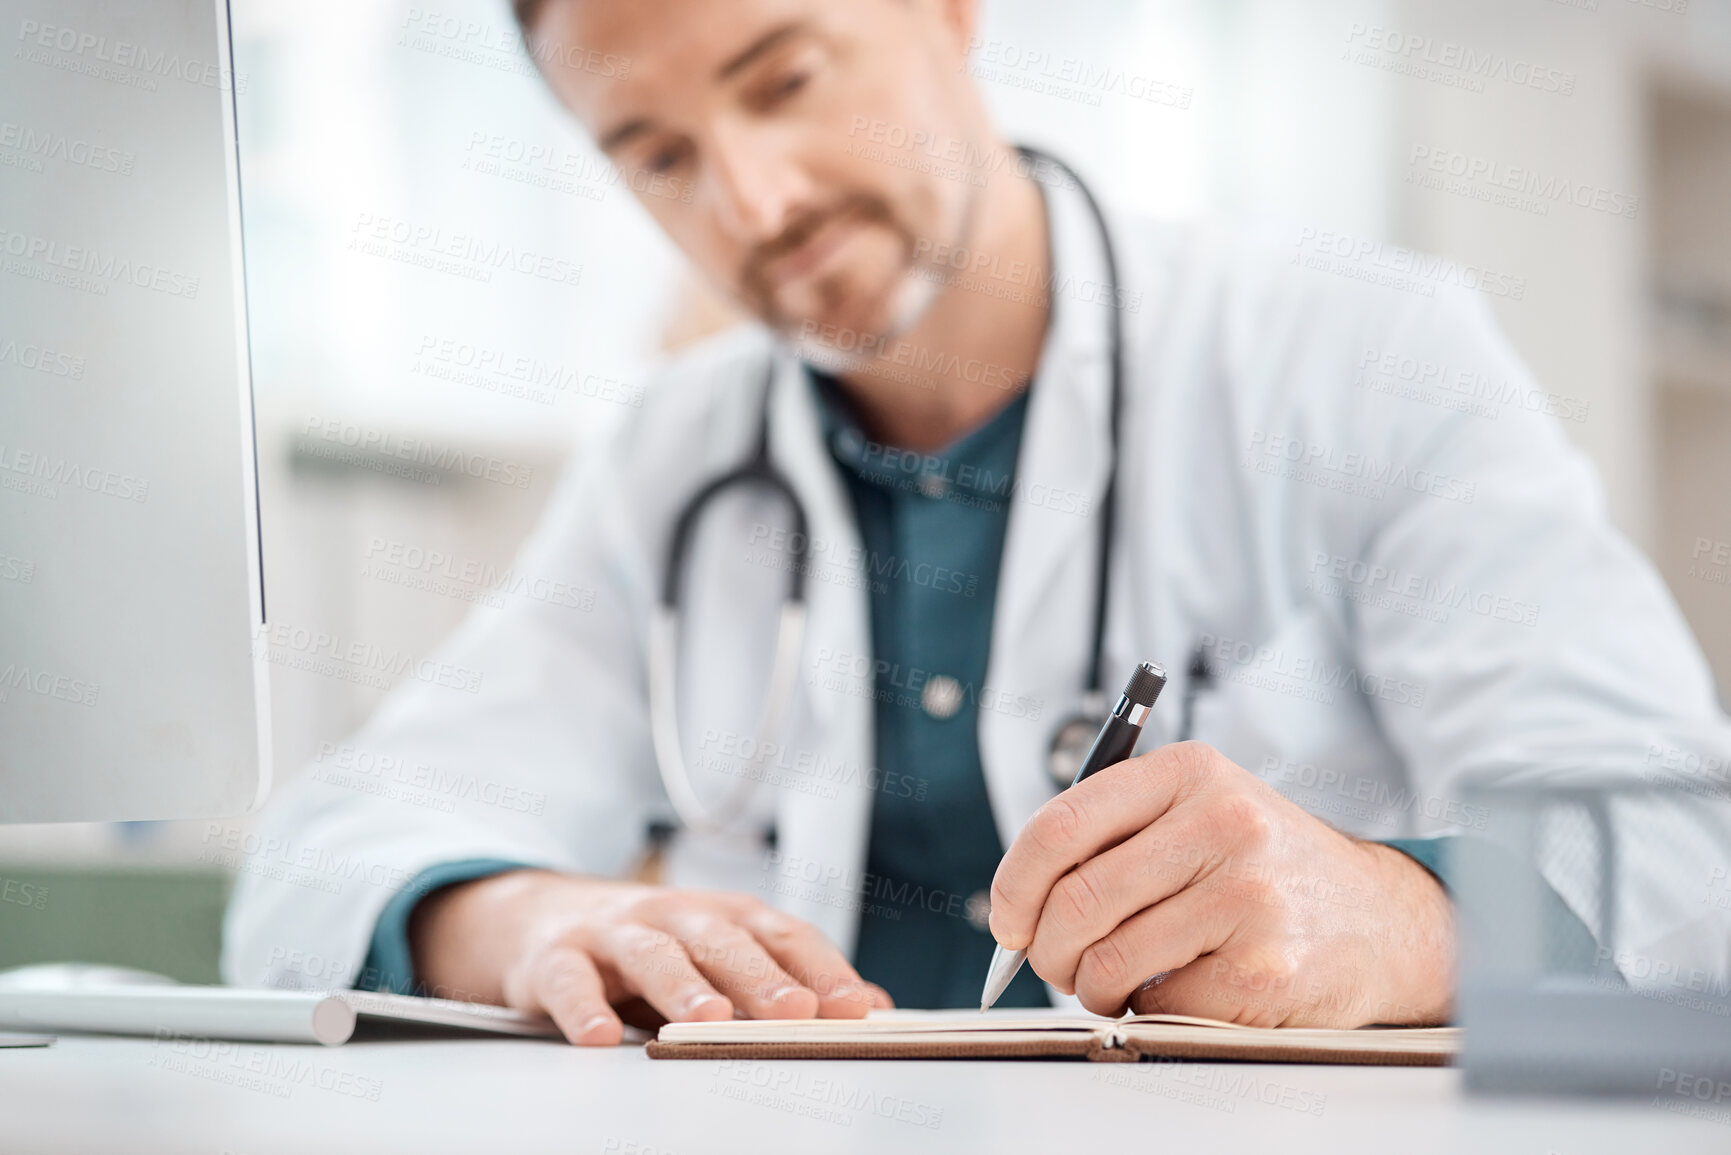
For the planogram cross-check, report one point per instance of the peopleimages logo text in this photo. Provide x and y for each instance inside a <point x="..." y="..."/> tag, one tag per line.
<point x="100" y="266"/>
<point x="124" y="54"/>
<point x="432" y="454"/>
<point x="45" y="144"/>
<point x="1378" y="262"/>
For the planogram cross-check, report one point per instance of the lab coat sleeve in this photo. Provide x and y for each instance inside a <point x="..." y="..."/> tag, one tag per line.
<point x="1504" y="629"/>
<point x="547" y="762"/>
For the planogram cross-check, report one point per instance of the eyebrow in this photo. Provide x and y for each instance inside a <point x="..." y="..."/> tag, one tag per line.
<point x="636" y="126"/>
<point x="764" y="44"/>
<point x="768" y="41"/>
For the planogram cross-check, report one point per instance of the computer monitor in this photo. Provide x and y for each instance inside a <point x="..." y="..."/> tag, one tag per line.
<point x="130" y="570"/>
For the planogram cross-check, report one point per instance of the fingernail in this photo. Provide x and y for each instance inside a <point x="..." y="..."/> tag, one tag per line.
<point x="593" y="1025"/>
<point x="700" y="1002"/>
<point x="780" y="993"/>
<point x="847" y="992"/>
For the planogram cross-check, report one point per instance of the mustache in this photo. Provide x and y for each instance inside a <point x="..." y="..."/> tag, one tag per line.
<point x="867" y="208"/>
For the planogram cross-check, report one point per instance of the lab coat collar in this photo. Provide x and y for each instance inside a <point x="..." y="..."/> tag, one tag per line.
<point x="830" y="832"/>
<point x="1042" y="626"/>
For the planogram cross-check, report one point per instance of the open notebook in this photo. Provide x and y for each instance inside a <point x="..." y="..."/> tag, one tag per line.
<point x="1051" y="1034"/>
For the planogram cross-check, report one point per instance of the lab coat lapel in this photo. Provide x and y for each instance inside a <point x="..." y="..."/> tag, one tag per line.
<point x="1043" y="622"/>
<point x="818" y="866"/>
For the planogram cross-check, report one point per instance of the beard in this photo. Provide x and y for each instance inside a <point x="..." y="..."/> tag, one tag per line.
<point x="895" y="311"/>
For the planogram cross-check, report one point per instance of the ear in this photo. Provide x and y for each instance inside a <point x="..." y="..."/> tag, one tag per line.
<point x="961" y="19"/>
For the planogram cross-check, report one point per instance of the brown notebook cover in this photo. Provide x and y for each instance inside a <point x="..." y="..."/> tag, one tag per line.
<point x="1053" y="1035"/>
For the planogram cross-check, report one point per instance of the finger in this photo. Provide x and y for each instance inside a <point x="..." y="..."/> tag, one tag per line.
<point x="738" y="966"/>
<point x="566" y="986"/>
<point x="1079" y="823"/>
<point x="1110" y="888"/>
<point x="652" y="963"/>
<point x="881" y="1000"/>
<point x="812" y="959"/>
<point x="1167" y="937"/>
<point x="1259" y="988"/>
<point x="1215" y="987"/>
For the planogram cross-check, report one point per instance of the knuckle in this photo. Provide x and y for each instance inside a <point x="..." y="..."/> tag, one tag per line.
<point x="1196" y="763"/>
<point x="1242" y="818"/>
<point x="1105" y="969"/>
<point x="741" y="906"/>
<point x="561" y="981"/>
<point x="709" y="939"/>
<point x="708" y="927"/>
<point x="794" y="942"/>
<point x="777" y="931"/>
<point x="562" y="992"/>
<point x="1272" y="972"/>
<point x="640" y="946"/>
<point x="1078" y="900"/>
<point x="560" y="940"/>
<point x="747" y="965"/>
<point x="821" y="980"/>
<point x="1199" y="757"/>
<point x="1056" y="825"/>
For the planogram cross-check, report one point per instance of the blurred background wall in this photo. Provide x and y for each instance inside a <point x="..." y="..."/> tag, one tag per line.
<point x="363" y="122"/>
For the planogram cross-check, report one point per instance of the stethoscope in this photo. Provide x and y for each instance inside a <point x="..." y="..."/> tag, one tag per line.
<point x="1073" y="734"/>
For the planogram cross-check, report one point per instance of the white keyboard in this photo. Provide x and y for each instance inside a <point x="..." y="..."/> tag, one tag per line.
<point x="269" y="1016"/>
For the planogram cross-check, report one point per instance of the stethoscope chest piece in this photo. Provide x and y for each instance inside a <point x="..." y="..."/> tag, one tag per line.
<point x="1071" y="740"/>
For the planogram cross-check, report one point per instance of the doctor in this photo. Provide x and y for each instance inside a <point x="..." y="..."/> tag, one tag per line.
<point x="1014" y="447"/>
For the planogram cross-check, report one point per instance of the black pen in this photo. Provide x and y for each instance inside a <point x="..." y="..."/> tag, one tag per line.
<point x="1117" y="738"/>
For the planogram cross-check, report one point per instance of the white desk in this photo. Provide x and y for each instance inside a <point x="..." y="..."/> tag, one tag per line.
<point x="90" y="1094"/>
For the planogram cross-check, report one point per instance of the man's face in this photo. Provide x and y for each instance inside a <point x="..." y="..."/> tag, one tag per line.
<point x="746" y="128"/>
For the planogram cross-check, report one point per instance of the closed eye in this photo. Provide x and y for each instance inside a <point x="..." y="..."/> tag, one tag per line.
<point x="785" y="87"/>
<point x="666" y="157"/>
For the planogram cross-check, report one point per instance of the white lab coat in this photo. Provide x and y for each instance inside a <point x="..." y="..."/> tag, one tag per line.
<point x="1243" y="516"/>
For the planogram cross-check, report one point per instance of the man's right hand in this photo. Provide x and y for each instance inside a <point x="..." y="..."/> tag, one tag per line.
<point x="590" y="952"/>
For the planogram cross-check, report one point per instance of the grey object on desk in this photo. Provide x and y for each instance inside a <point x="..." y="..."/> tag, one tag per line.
<point x="1544" y="1013"/>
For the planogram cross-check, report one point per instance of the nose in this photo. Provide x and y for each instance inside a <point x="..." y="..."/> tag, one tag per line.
<point x="756" y="184"/>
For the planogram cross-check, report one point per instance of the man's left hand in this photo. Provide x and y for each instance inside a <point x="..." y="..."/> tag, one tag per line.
<point x="1179" y="883"/>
